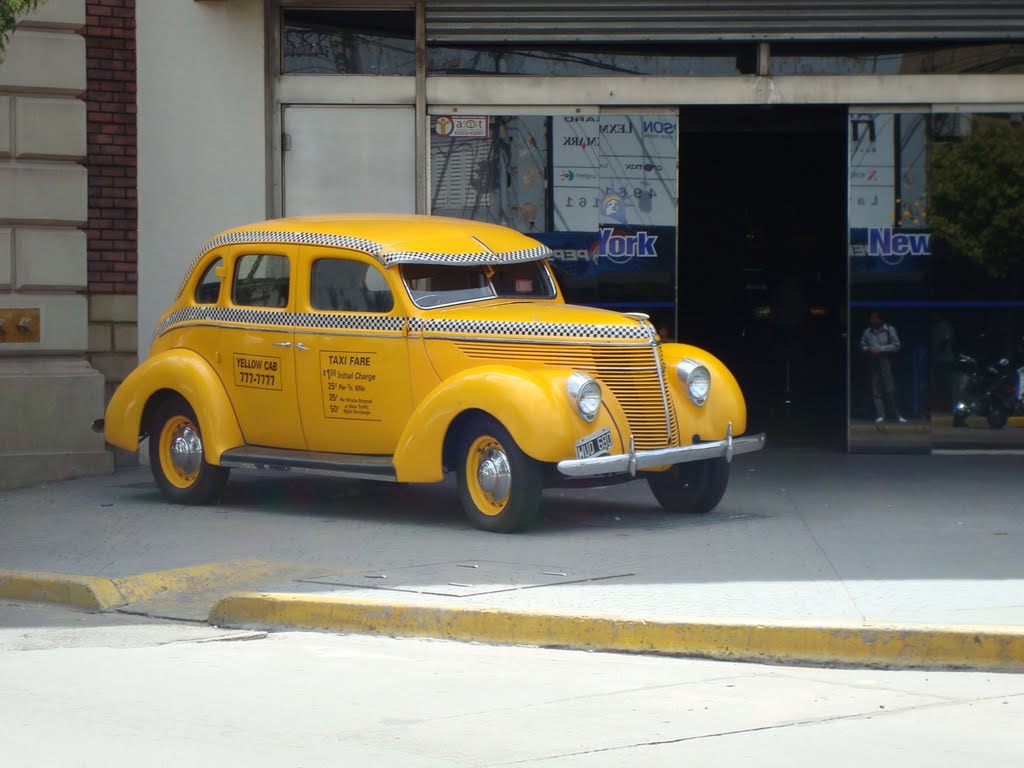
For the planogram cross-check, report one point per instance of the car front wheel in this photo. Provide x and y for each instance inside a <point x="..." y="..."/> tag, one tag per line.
<point x="692" y="488"/>
<point x="177" y="458"/>
<point x="499" y="485"/>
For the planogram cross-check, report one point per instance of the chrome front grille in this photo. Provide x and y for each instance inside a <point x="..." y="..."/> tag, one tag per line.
<point x="634" y="374"/>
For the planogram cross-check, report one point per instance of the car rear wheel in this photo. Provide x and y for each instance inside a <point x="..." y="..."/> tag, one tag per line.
<point x="499" y="485"/>
<point x="692" y="488"/>
<point x="177" y="458"/>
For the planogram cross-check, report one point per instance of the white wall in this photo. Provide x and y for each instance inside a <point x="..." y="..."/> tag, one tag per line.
<point x="201" y="124"/>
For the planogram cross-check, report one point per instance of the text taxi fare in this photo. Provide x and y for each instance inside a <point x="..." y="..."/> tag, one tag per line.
<point x="403" y="347"/>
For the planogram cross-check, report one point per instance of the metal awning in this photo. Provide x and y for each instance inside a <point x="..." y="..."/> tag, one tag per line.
<point x="515" y="21"/>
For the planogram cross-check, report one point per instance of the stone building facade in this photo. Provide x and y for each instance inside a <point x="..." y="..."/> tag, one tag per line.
<point x="67" y="234"/>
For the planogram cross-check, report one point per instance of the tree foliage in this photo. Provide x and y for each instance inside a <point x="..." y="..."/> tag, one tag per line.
<point x="10" y="10"/>
<point x="976" y="196"/>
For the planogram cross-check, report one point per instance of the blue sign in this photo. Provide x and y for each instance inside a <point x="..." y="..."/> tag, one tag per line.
<point x="616" y="266"/>
<point x="621" y="248"/>
<point x="614" y="248"/>
<point x="884" y="249"/>
<point x="892" y="246"/>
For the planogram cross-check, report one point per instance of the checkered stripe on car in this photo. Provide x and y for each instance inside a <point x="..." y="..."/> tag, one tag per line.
<point x="276" y="319"/>
<point x="455" y="259"/>
<point x="347" y="322"/>
<point x="287" y="238"/>
<point x="367" y="246"/>
<point x="505" y="328"/>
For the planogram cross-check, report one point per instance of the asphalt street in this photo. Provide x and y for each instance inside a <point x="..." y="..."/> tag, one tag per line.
<point x="800" y="537"/>
<point x="824" y="536"/>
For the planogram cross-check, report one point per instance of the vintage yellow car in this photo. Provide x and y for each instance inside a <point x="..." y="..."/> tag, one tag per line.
<point x="403" y="347"/>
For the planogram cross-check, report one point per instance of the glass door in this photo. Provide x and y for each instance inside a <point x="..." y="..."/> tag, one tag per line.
<point x="889" y="256"/>
<point x="936" y="280"/>
<point x="599" y="188"/>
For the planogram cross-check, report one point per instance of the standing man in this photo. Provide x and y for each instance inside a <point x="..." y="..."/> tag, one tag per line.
<point x="880" y="342"/>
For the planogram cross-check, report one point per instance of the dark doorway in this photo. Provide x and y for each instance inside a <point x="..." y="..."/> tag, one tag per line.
<point x="762" y="243"/>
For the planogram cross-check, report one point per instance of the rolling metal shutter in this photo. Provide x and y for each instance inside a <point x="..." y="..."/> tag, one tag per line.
<point x="709" y="20"/>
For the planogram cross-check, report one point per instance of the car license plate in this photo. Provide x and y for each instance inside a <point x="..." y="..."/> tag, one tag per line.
<point x="594" y="445"/>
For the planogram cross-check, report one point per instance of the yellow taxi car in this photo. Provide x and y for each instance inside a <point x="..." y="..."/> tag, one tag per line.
<point x="402" y="347"/>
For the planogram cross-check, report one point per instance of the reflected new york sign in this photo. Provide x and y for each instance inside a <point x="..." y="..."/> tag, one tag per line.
<point x="892" y="246"/>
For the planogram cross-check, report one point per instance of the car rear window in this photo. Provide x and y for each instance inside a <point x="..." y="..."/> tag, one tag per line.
<point x="208" y="287"/>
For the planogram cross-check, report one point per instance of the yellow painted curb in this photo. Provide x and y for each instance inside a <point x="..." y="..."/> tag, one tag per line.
<point x="90" y="592"/>
<point x="101" y="594"/>
<point x="857" y="644"/>
<point x="198" y="578"/>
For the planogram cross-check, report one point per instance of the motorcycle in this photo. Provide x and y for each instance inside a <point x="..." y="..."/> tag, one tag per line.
<point x="992" y="391"/>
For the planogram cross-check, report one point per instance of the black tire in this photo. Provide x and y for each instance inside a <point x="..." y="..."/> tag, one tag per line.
<point x="694" y="488"/>
<point x="499" y="485"/>
<point x="177" y="458"/>
<point x="997" y="417"/>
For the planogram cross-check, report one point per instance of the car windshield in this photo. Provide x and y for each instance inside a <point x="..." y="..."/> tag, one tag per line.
<point x="436" y="285"/>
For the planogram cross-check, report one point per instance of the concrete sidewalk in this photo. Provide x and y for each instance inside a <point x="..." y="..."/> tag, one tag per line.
<point x="823" y="558"/>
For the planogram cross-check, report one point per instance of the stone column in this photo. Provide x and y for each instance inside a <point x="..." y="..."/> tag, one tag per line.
<point x="49" y="394"/>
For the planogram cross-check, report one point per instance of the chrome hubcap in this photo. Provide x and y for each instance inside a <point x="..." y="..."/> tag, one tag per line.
<point x="494" y="475"/>
<point x="186" y="450"/>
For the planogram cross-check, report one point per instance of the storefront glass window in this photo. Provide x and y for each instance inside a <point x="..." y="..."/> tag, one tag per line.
<point x="584" y="61"/>
<point x="931" y="59"/>
<point x="348" y="42"/>
<point x="935" y="252"/>
<point x="601" y="191"/>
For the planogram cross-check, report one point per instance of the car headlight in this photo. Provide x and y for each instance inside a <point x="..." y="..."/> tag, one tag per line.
<point x="585" y="394"/>
<point x="697" y="379"/>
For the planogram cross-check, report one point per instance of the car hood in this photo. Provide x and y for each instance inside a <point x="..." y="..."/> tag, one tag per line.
<point x="528" y="335"/>
<point x="524" y="320"/>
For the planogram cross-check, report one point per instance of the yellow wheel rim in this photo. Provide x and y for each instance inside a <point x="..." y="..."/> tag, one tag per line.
<point x="488" y="476"/>
<point x="181" y="451"/>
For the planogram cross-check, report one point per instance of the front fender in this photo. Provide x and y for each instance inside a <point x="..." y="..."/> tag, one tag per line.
<point x="725" y="401"/>
<point x="531" y="405"/>
<point x="189" y="375"/>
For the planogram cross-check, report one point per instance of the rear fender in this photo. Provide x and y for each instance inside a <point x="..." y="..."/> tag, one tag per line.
<point x="531" y="405"/>
<point x="187" y="374"/>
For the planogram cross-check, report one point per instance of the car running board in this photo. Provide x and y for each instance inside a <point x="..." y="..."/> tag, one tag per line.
<point x="310" y="462"/>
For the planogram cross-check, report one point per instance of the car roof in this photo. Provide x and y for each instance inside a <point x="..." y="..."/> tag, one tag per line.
<point x="395" y="238"/>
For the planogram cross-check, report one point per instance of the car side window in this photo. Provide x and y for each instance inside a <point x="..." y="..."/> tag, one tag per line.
<point x="261" y="280"/>
<point x="349" y="286"/>
<point x="208" y="287"/>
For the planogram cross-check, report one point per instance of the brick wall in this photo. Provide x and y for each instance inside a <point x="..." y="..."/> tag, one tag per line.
<point x="112" y="158"/>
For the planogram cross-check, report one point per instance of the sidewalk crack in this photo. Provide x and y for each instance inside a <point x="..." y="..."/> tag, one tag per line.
<point x="758" y="729"/>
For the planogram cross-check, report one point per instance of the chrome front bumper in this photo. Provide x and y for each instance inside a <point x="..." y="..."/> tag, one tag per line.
<point x="630" y="463"/>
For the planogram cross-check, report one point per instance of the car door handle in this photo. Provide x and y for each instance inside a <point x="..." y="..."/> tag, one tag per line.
<point x="300" y="345"/>
<point x="282" y="344"/>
